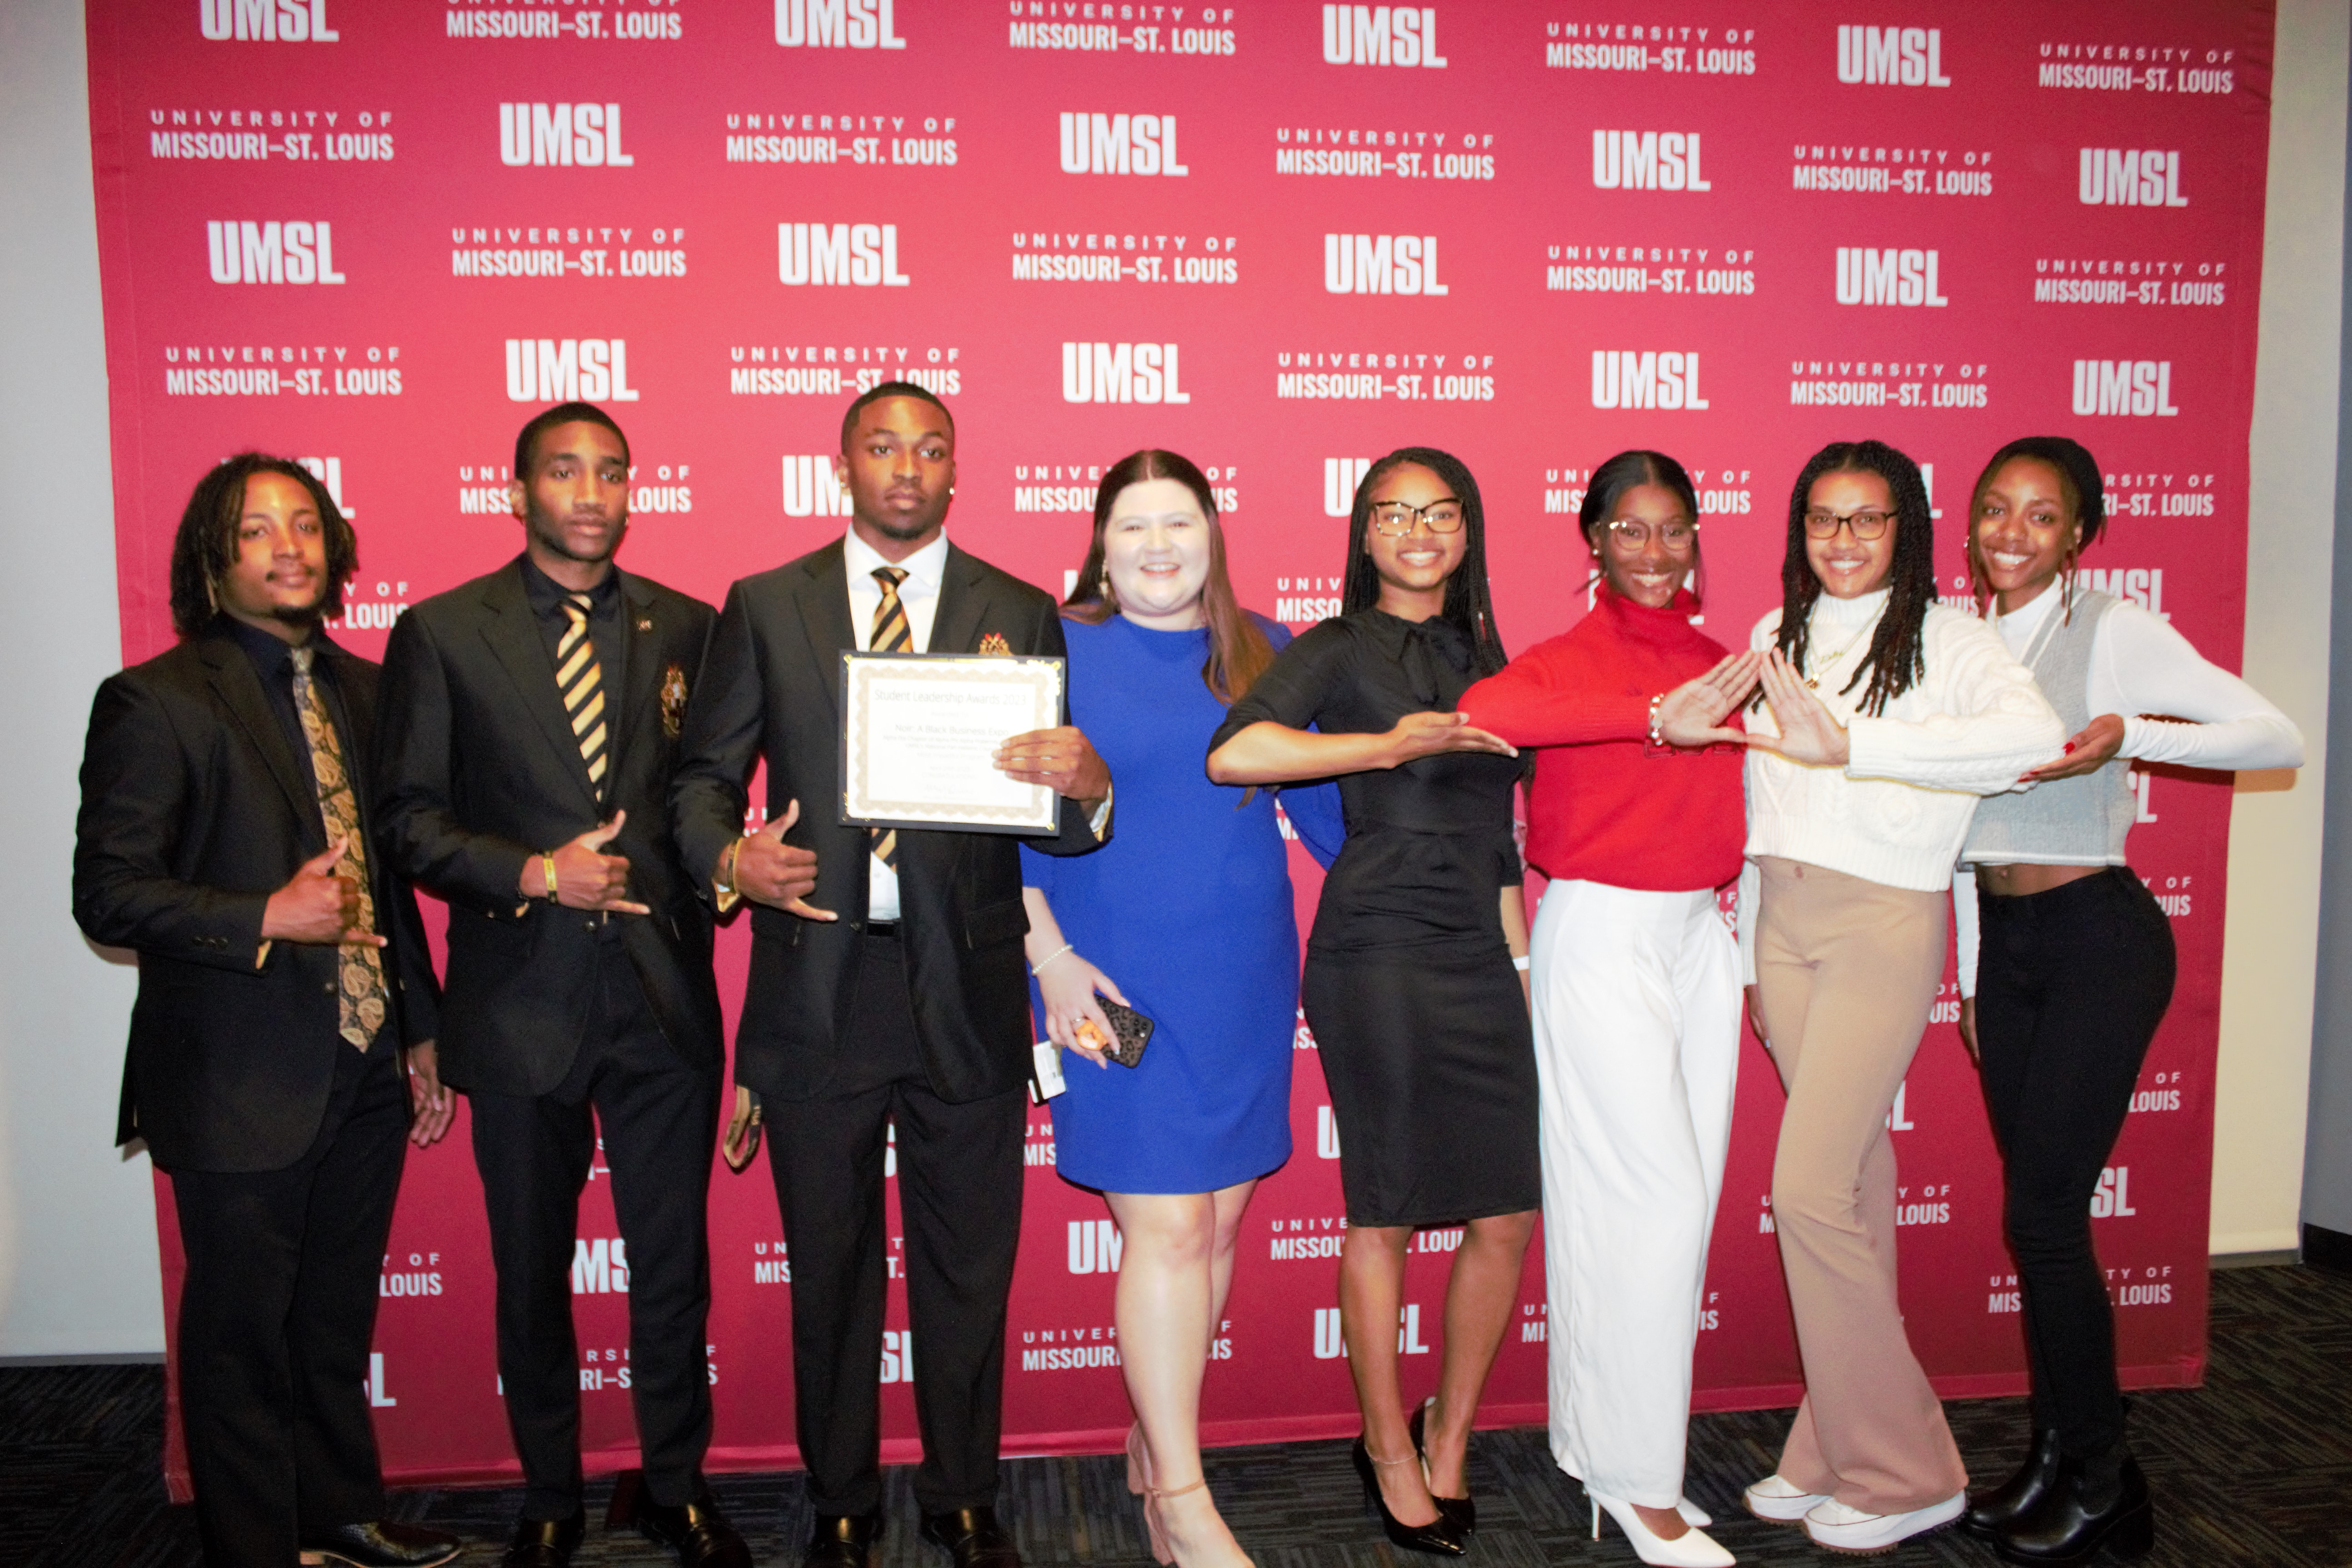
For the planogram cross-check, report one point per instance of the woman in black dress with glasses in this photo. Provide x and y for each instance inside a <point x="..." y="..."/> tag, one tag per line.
<point x="1416" y="982"/>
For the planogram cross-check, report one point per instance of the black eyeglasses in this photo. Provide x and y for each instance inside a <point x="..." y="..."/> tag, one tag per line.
<point x="1395" y="518"/>
<point x="1867" y="524"/>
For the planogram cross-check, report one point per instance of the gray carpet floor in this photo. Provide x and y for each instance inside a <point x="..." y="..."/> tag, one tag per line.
<point x="2256" y="1468"/>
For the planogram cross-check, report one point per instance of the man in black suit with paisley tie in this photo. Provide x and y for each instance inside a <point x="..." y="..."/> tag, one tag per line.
<point x="530" y="726"/>
<point x="896" y="992"/>
<point x="225" y="835"/>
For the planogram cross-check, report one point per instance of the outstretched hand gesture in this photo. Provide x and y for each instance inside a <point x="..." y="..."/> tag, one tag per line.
<point x="1693" y="713"/>
<point x="780" y="875"/>
<point x="588" y="878"/>
<point x="1809" y="732"/>
<point x="317" y="904"/>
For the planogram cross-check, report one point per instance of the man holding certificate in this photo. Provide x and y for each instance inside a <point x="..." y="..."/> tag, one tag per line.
<point x="895" y="991"/>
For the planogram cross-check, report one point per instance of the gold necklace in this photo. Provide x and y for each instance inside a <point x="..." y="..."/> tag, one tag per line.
<point x="1861" y="639"/>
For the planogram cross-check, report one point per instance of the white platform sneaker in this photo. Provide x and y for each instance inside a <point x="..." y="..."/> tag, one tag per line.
<point x="1838" y="1528"/>
<point x="1777" y="1500"/>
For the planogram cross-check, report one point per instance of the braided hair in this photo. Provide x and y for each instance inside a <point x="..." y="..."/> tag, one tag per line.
<point x="2079" y="486"/>
<point x="1897" y="655"/>
<point x="1469" y="604"/>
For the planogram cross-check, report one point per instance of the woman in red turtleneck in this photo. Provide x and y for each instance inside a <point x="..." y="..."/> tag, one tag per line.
<point x="1634" y="988"/>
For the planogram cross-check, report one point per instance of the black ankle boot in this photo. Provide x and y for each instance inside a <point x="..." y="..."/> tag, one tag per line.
<point x="1995" y="1511"/>
<point x="2098" y="1502"/>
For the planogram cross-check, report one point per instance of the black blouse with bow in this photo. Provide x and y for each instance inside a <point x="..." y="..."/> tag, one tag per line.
<point x="1429" y="846"/>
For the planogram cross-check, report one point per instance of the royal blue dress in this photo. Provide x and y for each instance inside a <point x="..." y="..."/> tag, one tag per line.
<point x="1188" y="909"/>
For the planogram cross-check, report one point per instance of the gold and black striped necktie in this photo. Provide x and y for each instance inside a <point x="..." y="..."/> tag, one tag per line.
<point x="581" y="684"/>
<point x="891" y="635"/>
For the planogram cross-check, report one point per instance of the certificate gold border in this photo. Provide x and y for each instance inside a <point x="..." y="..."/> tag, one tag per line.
<point x="862" y="808"/>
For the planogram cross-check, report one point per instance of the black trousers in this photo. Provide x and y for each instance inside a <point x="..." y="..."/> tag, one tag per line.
<point x="959" y="1179"/>
<point x="2071" y="986"/>
<point x="276" y="1315"/>
<point x="658" y="1118"/>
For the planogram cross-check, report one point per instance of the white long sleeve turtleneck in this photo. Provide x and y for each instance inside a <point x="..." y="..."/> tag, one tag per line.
<point x="1899" y="809"/>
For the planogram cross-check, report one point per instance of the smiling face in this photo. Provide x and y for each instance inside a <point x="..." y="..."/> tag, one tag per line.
<point x="900" y="465"/>
<point x="2023" y="530"/>
<point x="1651" y="571"/>
<point x="1416" y="563"/>
<point x="1156" y="553"/>
<point x="1849" y="567"/>
<point x="277" y="575"/>
<point x="575" y="503"/>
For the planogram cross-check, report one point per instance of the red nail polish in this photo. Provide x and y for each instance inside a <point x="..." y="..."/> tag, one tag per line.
<point x="2070" y="746"/>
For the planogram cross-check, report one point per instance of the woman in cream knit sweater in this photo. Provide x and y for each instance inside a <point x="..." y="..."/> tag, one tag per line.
<point x="1885" y="715"/>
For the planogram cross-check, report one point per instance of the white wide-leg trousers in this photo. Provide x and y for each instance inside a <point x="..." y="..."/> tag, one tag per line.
<point x="1636" y="1004"/>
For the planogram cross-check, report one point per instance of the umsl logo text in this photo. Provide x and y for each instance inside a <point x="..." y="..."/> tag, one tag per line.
<point x="1622" y="378"/>
<point x="812" y="487"/>
<point x="1120" y="144"/>
<point x="840" y="254"/>
<point x="600" y="1267"/>
<point x="1381" y="36"/>
<point x="562" y="135"/>
<point x="1380" y="264"/>
<point x="2130" y="177"/>
<point x="1892" y="56"/>
<point x="2138" y="388"/>
<point x="296" y="251"/>
<point x="1120" y="372"/>
<point x="1646" y="161"/>
<point x="836" y="25"/>
<point x="266" y="21"/>
<point x="567" y="370"/>
<point x="1869" y="277"/>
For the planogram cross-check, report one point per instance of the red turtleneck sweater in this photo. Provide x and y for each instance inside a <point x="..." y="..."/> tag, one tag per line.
<point x="1605" y="806"/>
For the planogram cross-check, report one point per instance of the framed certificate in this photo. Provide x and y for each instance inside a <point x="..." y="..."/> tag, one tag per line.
<point x="919" y="732"/>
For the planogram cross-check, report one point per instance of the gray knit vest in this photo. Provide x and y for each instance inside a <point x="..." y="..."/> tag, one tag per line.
<point x="2078" y="821"/>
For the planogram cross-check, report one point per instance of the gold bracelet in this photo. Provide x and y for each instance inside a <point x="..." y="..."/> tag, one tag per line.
<point x="734" y="852"/>
<point x="547" y="864"/>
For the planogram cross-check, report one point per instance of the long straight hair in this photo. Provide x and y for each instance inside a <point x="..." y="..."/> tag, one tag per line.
<point x="1897" y="655"/>
<point x="1469" y="604"/>
<point x="1623" y="472"/>
<point x="1238" y="649"/>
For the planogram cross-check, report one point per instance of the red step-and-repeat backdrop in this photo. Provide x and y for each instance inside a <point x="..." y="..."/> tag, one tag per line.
<point x="1282" y="238"/>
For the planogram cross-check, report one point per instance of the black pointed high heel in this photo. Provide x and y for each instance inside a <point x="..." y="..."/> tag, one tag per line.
<point x="1440" y="1537"/>
<point x="1462" y="1511"/>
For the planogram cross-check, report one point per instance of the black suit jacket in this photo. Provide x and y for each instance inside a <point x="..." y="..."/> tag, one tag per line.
<point x="194" y="808"/>
<point x="477" y="771"/>
<point x="772" y="693"/>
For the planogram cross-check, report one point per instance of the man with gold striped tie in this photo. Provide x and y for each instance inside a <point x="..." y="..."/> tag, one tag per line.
<point x="530" y="729"/>
<point x="894" y="995"/>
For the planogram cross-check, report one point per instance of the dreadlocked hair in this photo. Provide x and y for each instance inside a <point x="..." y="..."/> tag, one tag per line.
<point x="1896" y="657"/>
<point x="206" y="545"/>
<point x="1469" y="604"/>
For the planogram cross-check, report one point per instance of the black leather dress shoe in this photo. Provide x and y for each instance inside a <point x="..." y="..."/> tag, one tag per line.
<point x="696" y="1531"/>
<point x="545" y="1542"/>
<point x="843" y="1540"/>
<point x="2096" y="1504"/>
<point x="1992" y="1512"/>
<point x="972" y="1538"/>
<point x="382" y="1543"/>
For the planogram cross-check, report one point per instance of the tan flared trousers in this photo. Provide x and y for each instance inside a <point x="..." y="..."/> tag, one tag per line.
<point x="1847" y="969"/>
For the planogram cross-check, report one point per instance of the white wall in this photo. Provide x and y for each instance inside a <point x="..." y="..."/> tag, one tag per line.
<point x="77" y="1273"/>
<point x="2270" y="949"/>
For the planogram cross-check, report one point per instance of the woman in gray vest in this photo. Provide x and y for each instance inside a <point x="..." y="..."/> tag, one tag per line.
<point x="2072" y="963"/>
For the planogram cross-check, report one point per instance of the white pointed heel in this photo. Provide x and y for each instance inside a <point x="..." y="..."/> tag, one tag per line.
<point x="1693" y="1548"/>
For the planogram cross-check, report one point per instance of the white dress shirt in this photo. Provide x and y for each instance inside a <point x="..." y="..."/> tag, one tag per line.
<point x="919" y="596"/>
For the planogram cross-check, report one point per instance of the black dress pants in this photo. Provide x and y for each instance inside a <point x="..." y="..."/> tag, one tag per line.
<point x="960" y="1180"/>
<point x="2071" y="986"/>
<point x="276" y="1315"/>
<point x="658" y="1118"/>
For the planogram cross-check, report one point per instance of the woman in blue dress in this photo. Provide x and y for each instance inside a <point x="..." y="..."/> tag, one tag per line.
<point x="1186" y="916"/>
